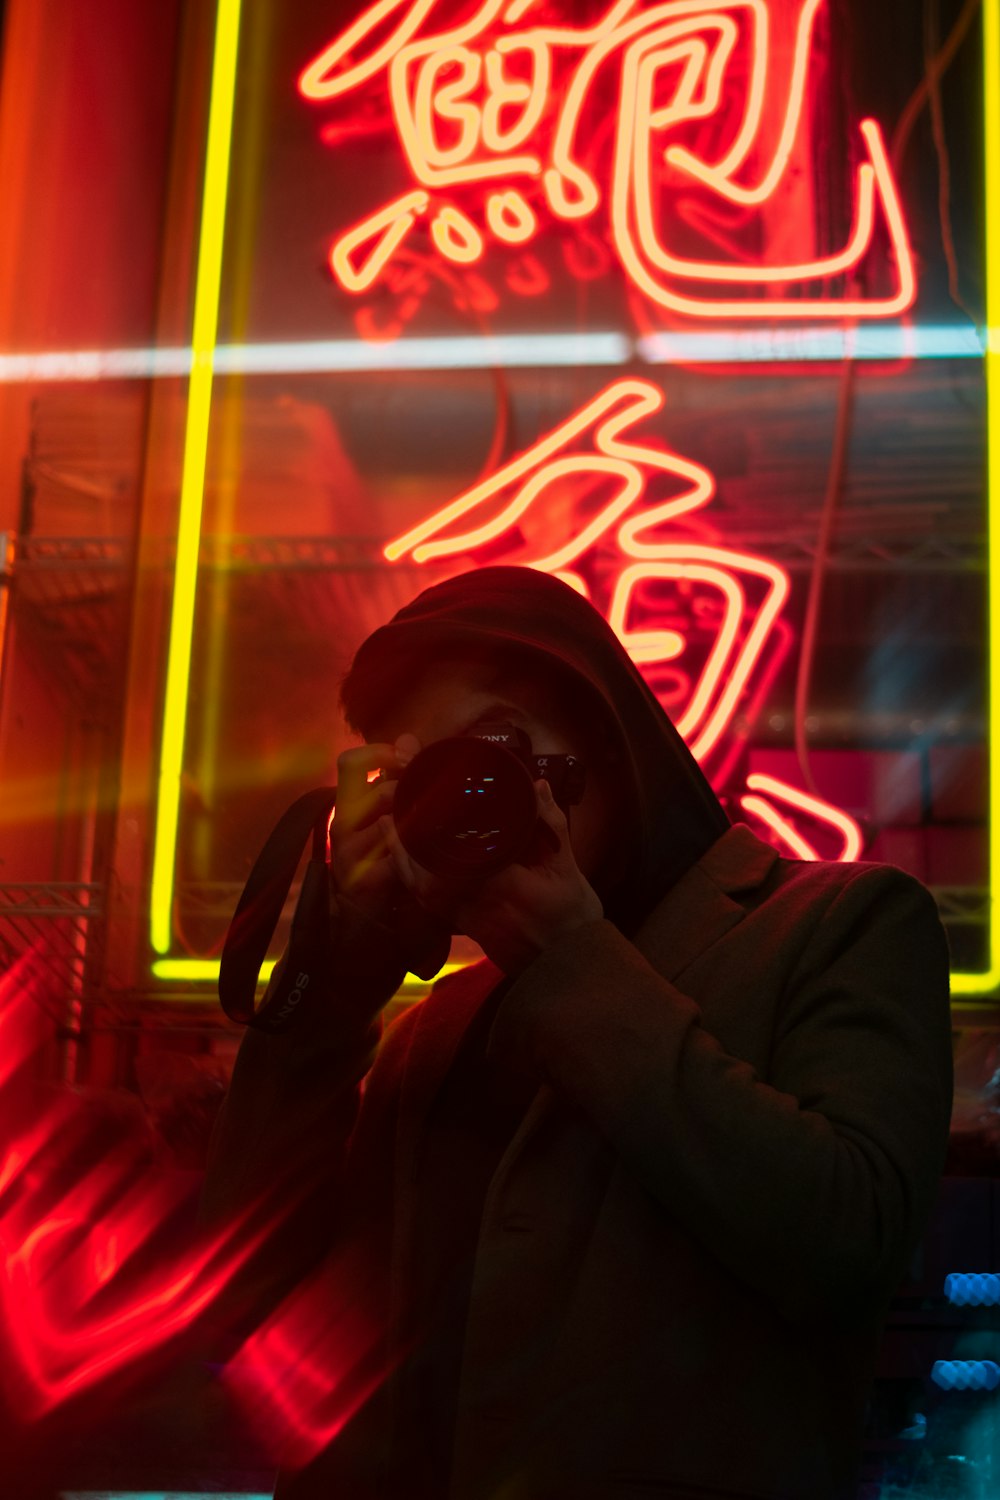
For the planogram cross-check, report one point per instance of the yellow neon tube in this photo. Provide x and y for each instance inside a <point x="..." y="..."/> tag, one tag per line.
<point x="980" y="984"/>
<point x="206" y="316"/>
<point x="991" y="94"/>
<point x="206" y="970"/>
<point x="192" y="487"/>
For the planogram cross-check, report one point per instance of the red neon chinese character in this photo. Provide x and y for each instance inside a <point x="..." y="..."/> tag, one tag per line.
<point x="756" y="802"/>
<point x="708" y="107"/>
<point x="587" y="503"/>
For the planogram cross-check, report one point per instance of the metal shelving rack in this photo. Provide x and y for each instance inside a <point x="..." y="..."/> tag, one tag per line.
<point x="72" y="593"/>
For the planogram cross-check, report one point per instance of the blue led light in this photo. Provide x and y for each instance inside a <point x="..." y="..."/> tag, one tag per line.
<point x="966" y="1374"/>
<point x="810" y="344"/>
<point x="969" y="1289"/>
<point x="164" y="1495"/>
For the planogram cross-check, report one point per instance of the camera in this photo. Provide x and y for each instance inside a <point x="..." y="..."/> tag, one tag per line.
<point x="465" y="806"/>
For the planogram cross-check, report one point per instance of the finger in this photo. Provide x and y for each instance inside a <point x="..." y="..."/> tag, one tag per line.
<point x="398" y="855"/>
<point x="355" y="818"/>
<point x="406" y="747"/>
<point x="358" y="877"/>
<point x="355" y="763"/>
<point x="350" y="855"/>
<point x="354" y="768"/>
<point x="551" y="816"/>
<point x="377" y="883"/>
<point x="433" y="894"/>
<point x="548" y="807"/>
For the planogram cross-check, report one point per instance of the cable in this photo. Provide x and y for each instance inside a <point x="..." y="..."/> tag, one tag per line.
<point x="834" y="483"/>
<point x="452" y="283"/>
<point x="934" y="72"/>
<point x="936" y="65"/>
<point x="941" y="148"/>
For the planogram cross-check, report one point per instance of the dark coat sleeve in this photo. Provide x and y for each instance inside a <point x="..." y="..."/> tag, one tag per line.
<point x="814" y="1187"/>
<point x="279" y="1146"/>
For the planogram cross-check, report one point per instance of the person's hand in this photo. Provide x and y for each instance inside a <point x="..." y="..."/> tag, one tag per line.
<point x="361" y="861"/>
<point x="517" y="913"/>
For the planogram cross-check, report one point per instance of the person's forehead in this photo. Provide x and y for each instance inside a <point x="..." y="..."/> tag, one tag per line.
<point x="464" y="687"/>
<point x="469" y="688"/>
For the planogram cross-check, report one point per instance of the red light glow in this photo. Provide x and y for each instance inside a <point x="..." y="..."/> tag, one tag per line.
<point x="587" y="504"/>
<point x="709" y="103"/>
<point x="83" y="1294"/>
<point x="305" y="1373"/>
<point x="93" y="1289"/>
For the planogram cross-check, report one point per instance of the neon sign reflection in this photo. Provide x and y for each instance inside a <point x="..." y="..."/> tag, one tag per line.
<point x="98" y="1289"/>
<point x="87" y="1295"/>
<point x="708" y="105"/>
<point x="621" y="520"/>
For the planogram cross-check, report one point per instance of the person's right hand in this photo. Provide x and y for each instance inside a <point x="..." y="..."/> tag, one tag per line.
<point x="361" y="863"/>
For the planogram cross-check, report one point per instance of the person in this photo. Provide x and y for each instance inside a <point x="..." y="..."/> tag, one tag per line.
<point x="625" y="1202"/>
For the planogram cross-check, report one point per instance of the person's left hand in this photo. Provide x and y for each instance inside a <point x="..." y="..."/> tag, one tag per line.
<point x="517" y="913"/>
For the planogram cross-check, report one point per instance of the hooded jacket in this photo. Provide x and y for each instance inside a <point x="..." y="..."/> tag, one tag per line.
<point x="531" y="618"/>
<point x="722" y="1114"/>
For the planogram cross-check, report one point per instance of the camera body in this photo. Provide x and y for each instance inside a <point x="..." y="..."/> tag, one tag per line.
<point x="465" y="806"/>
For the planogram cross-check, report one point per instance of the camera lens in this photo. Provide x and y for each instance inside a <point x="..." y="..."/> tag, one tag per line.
<point x="465" y="808"/>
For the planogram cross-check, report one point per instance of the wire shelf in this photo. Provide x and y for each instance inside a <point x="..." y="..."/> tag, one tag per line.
<point x="56" y="921"/>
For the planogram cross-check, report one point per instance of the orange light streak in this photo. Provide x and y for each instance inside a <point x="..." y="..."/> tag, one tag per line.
<point x="388" y="229"/>
<point x="720" y="176"/>
<point x="510" y="217"/>
<point x="797" y="845"/>
<point x="874" y="180"/>
<point x="731" y="661"/>
<point x="438" y="101"/>
<point x="504" y="92"/>
<point x="634" y="399"/>
<point x="815" y="807"/>
<point x="456" y="236"/>
<point x="323" y="78"/>
<point x="463" y="121"/>
<point x="633" y="521"/>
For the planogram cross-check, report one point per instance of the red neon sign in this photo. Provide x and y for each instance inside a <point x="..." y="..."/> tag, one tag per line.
<point x="709" y="107"/>
<point x="755" y="802"/>
<point x="599" y="507"/>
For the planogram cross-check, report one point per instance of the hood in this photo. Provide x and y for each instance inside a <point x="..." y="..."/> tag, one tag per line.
<point x="676" y="816"/>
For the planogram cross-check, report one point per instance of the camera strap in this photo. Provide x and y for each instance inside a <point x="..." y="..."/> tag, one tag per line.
<point x="309" y="952"/>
